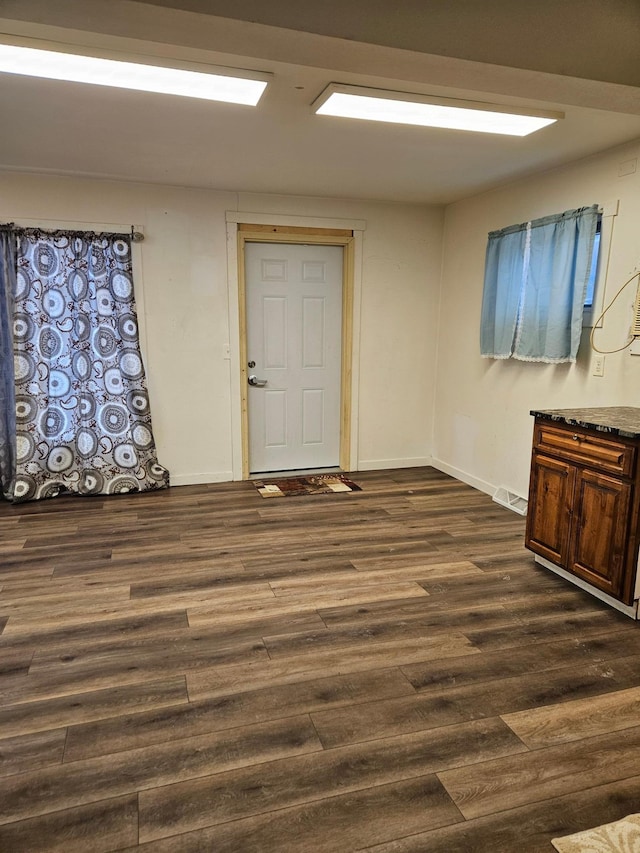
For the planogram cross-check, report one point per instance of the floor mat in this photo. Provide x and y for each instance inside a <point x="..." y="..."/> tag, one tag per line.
<point x="315" y="484"/>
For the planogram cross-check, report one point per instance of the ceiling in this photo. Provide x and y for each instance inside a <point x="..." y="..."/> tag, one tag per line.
<point x="281" y="146"/>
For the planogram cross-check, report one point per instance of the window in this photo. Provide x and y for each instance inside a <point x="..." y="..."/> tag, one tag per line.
<point x="595" y="260"/>
<point x="594" y="300"/>
<point x="536" y="276"/>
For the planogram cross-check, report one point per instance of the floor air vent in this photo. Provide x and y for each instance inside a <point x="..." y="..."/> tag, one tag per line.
<point x="512" y="501"/>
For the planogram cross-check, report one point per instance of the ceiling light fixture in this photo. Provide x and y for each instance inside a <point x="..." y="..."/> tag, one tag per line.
<point x="233" y="86"/>
<point x="426" y="111"/>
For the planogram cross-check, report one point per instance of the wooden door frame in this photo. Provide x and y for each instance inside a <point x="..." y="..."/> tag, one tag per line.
<point x="256" y="233"/>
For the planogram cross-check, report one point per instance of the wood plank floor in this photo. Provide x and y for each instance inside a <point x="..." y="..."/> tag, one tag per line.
<point x="388" y="671"/>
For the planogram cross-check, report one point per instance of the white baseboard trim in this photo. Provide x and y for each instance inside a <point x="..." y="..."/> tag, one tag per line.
<point x="381" y="464"/>
<point x="469" y="479"/>
<point x="201" y="478"/>
<point x="628" y="610"/>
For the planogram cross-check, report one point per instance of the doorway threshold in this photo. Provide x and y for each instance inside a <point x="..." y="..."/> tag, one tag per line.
<point x="302" y="472"/>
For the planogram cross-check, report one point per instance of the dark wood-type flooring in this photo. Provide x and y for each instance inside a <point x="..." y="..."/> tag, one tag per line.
<point x="202" y="669"/>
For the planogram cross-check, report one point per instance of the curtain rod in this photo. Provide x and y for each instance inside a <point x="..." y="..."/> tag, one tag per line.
<point x="133" y="235"/>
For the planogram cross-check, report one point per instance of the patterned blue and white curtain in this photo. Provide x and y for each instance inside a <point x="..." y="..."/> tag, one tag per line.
<point x="83" y="422"/>
<point x="7" y="394"/>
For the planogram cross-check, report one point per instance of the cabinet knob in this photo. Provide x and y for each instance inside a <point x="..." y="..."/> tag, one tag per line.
<point x="575" y="436"/>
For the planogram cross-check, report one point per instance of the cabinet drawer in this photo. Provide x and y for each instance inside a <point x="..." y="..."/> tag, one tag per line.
<point x="586" y="448"/>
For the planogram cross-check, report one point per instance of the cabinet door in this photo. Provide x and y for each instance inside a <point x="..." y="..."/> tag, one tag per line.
<point x="549" y="513"/>
<point x="599" y="530"/>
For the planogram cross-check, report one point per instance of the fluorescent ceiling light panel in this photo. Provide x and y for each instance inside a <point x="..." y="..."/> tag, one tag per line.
<point x="131" y="75"/>
<point x="453" y="114"/>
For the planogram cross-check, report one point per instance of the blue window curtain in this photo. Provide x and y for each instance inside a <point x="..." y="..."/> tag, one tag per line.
<point x="82" y="421"/>
<point x="536" y="276"/>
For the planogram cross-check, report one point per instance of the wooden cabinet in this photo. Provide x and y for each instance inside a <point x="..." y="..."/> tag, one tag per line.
<point x="599" y="531"/>
<point x="584" y="505"/>
<point x="549" y="512"/>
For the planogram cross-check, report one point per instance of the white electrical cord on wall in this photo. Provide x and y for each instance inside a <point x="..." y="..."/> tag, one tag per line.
<point x="593" y="328"/>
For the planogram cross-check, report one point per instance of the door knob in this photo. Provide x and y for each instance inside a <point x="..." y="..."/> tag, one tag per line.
<point x="257" y="383"/>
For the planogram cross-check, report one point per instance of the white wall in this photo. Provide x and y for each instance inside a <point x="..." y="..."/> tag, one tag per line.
<point x="182" y="291"/>
<point x="482" y="430"/>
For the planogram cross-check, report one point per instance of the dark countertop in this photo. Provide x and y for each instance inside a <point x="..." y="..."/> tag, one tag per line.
<point x="616" y="420"/>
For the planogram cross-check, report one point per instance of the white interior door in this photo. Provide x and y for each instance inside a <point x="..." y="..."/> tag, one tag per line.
<point x="294" y="353"/>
